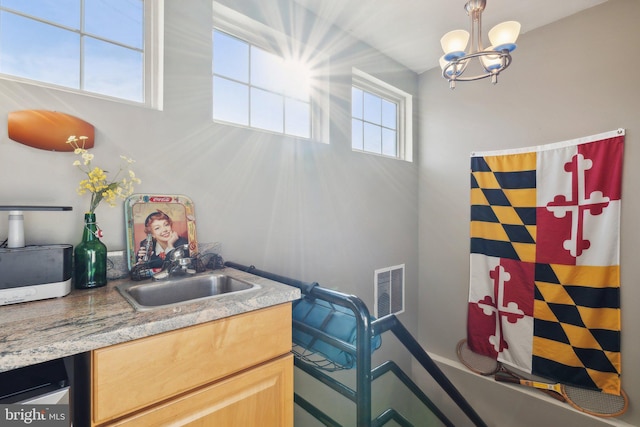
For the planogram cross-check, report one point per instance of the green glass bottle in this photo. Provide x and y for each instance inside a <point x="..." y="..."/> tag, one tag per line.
<point x="90" y="257"/>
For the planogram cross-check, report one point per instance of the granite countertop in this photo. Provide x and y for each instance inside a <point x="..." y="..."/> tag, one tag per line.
<point x="84" y="320"/>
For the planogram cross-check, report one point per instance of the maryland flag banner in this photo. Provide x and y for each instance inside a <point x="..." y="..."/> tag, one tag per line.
<point x="544" y="291"/>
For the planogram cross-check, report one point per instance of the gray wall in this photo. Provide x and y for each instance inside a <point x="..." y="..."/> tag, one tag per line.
<point x="321" y="212"/>
<point x="308" y="210"/>
<point x="573" y="78"/>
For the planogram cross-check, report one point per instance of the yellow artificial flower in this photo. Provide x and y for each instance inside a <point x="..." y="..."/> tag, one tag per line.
<point x="97" y="183"/>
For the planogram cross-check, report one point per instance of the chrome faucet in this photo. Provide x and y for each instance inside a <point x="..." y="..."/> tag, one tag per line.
<point x="176" y="263"/>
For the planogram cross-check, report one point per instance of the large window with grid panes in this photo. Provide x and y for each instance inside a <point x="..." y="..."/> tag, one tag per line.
<point x="266" y="81"/>
<point x="92" y="46"/>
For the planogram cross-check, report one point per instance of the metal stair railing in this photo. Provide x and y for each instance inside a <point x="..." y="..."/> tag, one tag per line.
<point x="391" y="366"/>
<point x="366" y="328"/>
<point x="391" y="323"/>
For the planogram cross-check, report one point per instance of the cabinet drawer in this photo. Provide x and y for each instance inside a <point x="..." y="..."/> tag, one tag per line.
<point x="133" y="375"/>
<point x="259" y="397"/>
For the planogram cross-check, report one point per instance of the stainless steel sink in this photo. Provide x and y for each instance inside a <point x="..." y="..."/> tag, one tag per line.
<point x="172" y="292"/>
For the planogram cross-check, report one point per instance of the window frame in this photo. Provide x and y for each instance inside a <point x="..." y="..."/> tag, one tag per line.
<point x="257" y="34"/>
<point x="404" y="113"/>
<point x="152" y="54"/>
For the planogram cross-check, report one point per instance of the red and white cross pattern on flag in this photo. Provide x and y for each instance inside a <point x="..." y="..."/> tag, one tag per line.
<point x="580" y="202"/>
<point x="508" y="310"/>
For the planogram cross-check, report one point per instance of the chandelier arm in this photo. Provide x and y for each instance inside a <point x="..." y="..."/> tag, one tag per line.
<point x="478" y="29"/>
<point x="474" y="9"/>
<point x="505" y="58"/>
<point x="472" y="42"/>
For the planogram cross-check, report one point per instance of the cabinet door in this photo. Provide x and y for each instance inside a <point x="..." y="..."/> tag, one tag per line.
<point x="260" y="397"/>
<point x="132" y="376"/>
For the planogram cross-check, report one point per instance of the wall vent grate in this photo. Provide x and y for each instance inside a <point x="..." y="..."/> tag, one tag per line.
<point x="389" y="291"/>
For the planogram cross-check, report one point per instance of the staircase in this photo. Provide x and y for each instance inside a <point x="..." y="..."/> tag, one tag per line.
<point x="334" y="331"/>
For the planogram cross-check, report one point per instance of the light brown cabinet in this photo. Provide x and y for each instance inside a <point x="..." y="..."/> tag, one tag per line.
<point x="232" y="371"/>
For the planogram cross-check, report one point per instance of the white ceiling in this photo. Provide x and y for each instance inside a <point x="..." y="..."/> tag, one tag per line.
<point x="410" y="30"/>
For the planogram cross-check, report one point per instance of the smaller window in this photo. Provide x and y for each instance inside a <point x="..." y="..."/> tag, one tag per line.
<point x="380" y="118"/>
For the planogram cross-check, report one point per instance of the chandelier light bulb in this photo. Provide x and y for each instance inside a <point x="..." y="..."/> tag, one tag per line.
<point x="504" y="35"/>
<point x="454" y="44"/>
<point x="491" y="62"/>
<point x="453" y="69"/>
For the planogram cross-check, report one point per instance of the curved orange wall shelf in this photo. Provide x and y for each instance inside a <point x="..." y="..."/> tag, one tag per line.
<point x="48" y="130"/>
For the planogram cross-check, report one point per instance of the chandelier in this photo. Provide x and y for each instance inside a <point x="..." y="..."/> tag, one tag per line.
<point x="493" y="60"/>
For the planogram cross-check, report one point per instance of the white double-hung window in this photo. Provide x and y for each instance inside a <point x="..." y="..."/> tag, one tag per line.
<point x="261" y="82"/>
<point x="104" y="47"/>
<point x="381" y="117"/>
